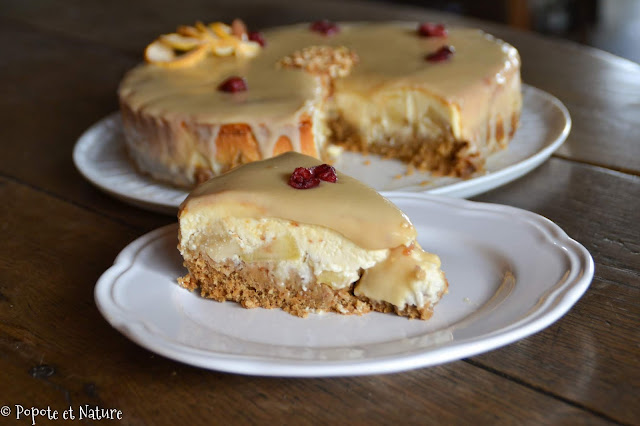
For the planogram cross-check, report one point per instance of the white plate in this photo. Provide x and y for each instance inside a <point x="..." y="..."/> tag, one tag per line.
<point x="100" y="156"/>
<point x="511" y="274"/>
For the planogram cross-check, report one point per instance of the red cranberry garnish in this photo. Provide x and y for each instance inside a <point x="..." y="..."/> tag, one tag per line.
<point x="441" y="54"/>
<point x="325" y="27"/>
<point x="325" y="172"/>
<point x="258" y="37"/>
<point x="302" y="178"/>
<point x="233" y="85"/>
<point x="429" y="29"/>
<point x="305" y="178"/>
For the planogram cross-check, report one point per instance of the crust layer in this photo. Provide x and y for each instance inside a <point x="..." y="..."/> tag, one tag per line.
<point x="252" y="286"/>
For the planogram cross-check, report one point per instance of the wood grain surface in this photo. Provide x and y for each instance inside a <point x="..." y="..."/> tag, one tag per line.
<point x="62" y="65"/>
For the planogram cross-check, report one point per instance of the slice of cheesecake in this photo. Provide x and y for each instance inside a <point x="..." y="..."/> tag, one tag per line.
<point x="255" y="236"/>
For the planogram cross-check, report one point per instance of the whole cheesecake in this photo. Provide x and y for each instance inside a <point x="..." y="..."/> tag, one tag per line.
<point x="441" y="101"/>
<point x="289" y="232"/>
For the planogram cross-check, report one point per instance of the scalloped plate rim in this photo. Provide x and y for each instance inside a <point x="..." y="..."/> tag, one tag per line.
<point x="570" y="290"/>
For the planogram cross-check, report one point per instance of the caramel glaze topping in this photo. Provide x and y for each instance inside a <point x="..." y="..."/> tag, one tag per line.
<point x="261" y="189"/>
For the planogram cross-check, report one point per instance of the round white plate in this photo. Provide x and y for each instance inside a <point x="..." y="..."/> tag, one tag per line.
<point x="511" y="273"/>
<point x="100" y="156"/>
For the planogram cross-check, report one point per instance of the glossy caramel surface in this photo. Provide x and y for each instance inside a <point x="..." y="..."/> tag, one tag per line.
<point x="261" y="189"/>
<point x="391" y="57"/>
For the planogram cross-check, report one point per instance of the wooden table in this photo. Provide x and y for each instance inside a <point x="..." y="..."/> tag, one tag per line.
<point x="62" y="64"/>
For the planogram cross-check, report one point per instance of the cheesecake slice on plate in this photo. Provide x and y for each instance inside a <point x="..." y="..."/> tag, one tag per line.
<point x="293" y="233"/>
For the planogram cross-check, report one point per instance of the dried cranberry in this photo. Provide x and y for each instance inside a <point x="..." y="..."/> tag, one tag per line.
<point x="258" y="37"/>
<point x="429" y="29"/>
<point x="325" y="27"/>
<point x="441" y="54"/>
<point x="303" y="178"/>
<point x="233" y="84"/>
<point x="325" y="172"/>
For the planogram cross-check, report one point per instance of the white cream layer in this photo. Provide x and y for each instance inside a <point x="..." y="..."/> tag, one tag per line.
<point x="314" y="253"/>
<point x="317" y="255"/>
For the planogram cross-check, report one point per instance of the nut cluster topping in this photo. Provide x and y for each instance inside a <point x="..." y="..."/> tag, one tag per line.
<point x="325" y="60"/>
<point x="310" y="177"/>
<point x="190" y="44"/>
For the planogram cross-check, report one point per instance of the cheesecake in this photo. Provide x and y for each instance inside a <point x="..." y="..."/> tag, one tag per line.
<point x="290" y="232"/>
<point x="440" y="101"/>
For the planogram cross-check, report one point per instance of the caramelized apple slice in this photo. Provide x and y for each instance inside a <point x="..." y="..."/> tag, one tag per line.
<point x="282" y="248"/>
<point x="158" y="53"/>
<point x="179" y="42"/>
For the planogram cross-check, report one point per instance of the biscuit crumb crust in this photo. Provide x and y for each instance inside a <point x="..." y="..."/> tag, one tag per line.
<point x="252" y="286"/>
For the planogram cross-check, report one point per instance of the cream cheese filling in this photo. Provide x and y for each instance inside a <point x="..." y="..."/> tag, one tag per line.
<point x="401" y="276"/>
<point x="315" y="253"/>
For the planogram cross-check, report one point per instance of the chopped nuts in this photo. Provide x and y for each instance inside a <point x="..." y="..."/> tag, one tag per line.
<point x="327" y="60"/>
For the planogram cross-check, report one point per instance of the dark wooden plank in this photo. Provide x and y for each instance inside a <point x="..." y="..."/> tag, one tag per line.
<point x="591" y="355"/>
<point x="56" y="88"/>
<point x="598" y="207"/>
<point x="47" y="316"/>
<point x="27" y="391"/>
<point x="587" y="356"/>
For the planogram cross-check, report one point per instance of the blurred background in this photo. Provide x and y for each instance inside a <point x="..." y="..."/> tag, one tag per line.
<point x="610" y="25"/>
